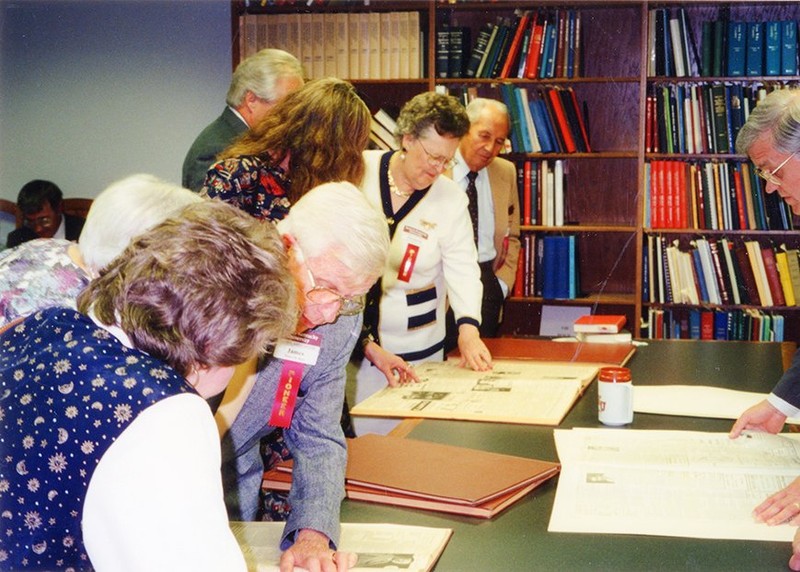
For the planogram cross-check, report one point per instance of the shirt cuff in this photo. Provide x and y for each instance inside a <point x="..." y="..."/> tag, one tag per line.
<point x="783" y="406"/>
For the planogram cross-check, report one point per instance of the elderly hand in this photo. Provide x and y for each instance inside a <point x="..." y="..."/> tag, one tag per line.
<point x="783" y="506"/>
<point x="760" y="417"/>
<point x="794" y="561"/>
<point x="312" y="552"/>
<point x="474" y="352"/>
<point x="397" y="370"/>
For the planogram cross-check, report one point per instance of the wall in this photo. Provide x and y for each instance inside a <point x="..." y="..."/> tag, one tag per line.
<point x="94" y="90"/>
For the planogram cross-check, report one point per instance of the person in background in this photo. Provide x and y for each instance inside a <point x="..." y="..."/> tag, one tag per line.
<point x="258" y="83"/>
<point x="494" y="184"/>
<point x="124" y="473"/>
<point x="314" y="136"/>
<point x="52" y="272"/>
<point x="42" y="214"/>
<point x="337" y="245"/>
<point x="771" y="138"/>
<point x="432" y="260"/>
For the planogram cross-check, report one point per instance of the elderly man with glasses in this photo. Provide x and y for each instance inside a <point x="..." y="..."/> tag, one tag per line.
<point x="771" y="138"/>
<point x="337" y="246"/>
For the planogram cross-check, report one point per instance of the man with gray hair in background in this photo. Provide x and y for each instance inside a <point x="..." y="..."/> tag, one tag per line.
<point x="258" y="83"/>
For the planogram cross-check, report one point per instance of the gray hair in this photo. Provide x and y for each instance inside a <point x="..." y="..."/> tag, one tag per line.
<point x="777" y="114"/>
<point x="336" y="218"/>
<point x="477" y="105"/>
<point x="124" y="210"/>
<point x="430" y="109"/>
<point x="260" y="73"/>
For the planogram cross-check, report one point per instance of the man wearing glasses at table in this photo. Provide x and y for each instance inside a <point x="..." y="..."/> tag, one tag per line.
<point x="337" y="247"/>
<point x="771" y="138"/>
<point x="42" y="216"/>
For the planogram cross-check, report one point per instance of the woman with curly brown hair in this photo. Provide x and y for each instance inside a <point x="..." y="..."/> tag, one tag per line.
<point x="313" y="136"/>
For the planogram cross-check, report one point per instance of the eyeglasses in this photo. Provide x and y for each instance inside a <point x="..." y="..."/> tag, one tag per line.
<point x="348" y="305"/>
<point x="437" y="160"/>
<point x="37" y="222"/>
<point x="769" y="176"/>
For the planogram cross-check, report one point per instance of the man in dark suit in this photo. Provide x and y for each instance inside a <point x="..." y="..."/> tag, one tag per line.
<point x="496" y="205"/>
<point x="258" y="83"/>
<point x="42" y="215"/>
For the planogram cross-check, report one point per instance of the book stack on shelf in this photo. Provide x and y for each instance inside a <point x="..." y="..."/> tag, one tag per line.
<point x="546" y="120"/>
<point x="357" y="45"/>
<point x="721" y="272"/>
<point x="712" y="195"/>
<point x="601" y="329"/>
<point x="548" y="267"/>
<point x="747" y="324"/>
<point x="533" y="44"/>
<point x="541" y="185"/>
<point x="382" y="130"/>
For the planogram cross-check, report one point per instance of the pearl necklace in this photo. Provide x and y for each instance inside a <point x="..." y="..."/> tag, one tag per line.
<point x="393" y="186"/>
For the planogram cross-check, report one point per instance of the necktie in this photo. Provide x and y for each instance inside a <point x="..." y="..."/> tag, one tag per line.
<point x="472" y="196"/>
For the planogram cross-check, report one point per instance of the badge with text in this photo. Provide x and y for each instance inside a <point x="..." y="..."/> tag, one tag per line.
<point x="414" y="238"/>
<point x="296" y="351"/>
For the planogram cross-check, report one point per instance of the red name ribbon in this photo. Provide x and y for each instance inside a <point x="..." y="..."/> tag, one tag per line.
<point x="289" y="384"/>
<point x="407" y="265"/>
<point x="296" y="352"/>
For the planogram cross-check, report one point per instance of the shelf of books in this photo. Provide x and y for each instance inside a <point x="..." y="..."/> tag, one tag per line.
<point x="624" y="120"/>
<point x="719" y="258"/>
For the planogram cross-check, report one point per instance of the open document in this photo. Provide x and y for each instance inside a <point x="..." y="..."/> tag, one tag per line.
<point x="382" y="546"/>
<point x="696" y="401"/>
<point x="671" y="483"/>
<point x="514" y="391"/>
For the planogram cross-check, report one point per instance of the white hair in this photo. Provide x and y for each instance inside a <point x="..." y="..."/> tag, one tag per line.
<point x="124" y="210"/>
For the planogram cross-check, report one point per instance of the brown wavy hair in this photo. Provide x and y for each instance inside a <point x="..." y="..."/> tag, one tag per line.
<point x="323" y="127"/>
<point x="209" y="287"/>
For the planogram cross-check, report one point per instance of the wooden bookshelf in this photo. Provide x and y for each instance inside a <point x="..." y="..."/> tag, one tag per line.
<point x="605" y="188"/>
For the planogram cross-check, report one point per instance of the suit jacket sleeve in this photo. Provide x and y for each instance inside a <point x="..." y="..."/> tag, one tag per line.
<point x="503" y="180"/>
<point x="788" y="389"/>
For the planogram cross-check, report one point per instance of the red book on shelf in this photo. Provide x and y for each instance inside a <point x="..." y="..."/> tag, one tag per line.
<point x="526" y="193"/>
<point x="684" y="196"/>
<point x="513" y="50"/>
<point x="581" y="123"/>
<point x="561" y="118"/>
<point x="519" y="281"/>
<point x="748" y="277"/>
<point x="740" y="200"/>
<point x="537" y="31"/>
<point x="706" y="325"/>
<point x="773" y="280"/>
<point x="599" y="324"/>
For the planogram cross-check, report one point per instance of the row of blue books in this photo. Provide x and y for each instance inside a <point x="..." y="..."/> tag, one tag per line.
<point x="548" y="267"/>
<point x="697" y="324"/>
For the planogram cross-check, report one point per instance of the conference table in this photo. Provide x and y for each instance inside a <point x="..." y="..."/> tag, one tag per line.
<point x="517" y="539"/>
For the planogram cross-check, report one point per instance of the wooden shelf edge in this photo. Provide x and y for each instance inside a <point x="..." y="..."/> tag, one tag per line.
<point x="604" y="299"/>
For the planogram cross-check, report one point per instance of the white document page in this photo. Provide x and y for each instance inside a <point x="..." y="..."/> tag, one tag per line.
<point x="695" y="401"/>
<point x="381" y="546"/>
<point x="670" y="483"/>
<point x="514" y="391"/>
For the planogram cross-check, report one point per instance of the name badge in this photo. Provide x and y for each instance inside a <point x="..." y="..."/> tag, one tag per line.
<point x="296" y="351"/>
<point x="415" y="238"/>
<point x="301" y="348"/>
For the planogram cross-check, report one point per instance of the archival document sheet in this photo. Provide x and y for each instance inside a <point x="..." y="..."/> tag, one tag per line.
<point x="514" y="391"/>
<point x="695" y="401"/>
<point x="671" y="483"/>
<point x="379" y="546"/>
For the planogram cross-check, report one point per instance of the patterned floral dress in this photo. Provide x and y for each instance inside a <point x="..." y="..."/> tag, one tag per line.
<point x="250" y="184"/>
<point x="36" y="275"/>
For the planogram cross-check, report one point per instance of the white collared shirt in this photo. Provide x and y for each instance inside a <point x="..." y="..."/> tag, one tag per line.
<point x="486" y="250"/>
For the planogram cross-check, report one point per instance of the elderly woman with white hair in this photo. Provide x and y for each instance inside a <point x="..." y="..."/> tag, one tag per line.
<point x="52" y="272"/>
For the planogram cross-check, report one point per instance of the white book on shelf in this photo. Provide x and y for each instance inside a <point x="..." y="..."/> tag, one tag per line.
<point x="661" y="295"/>
<point x="712" y="203"/>
<point x="724" y="245"/>
<point x="262" y="31"/>
<point x="558" y="193"/>
<point x="759" y="272"/>
<point x="394" y="45"/>
<point x="677" y="47"/>
<point x="697" y="123"/>
<point x="364" y="38"/>
<point x="248" y="35"/>
<point x="354" y="41"/>
<point x="293" y="44"/>
<point x="318" y="45"/>
<point x="415" y="50"/>
<point x="342" y="45"/>
<point x="709" y="275"/>
<point x="404" y="35"/>
<point x="305" y="38"/>
<point x="375" y="46"/>
<point x="329" y="31"/>
<point x="281" y="39"/>
<point x="526" y="111"/>
<point x="387" y="41"/>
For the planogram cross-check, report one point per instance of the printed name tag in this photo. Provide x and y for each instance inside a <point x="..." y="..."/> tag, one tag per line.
<point x="415" y="239"/>
<point x="301" y="348"/>
<point x="296" y="352"/>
